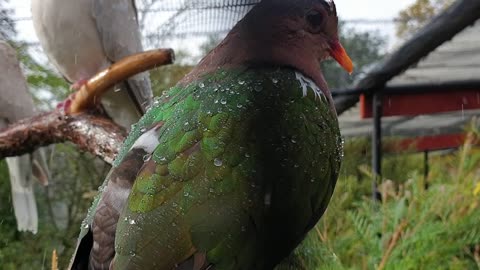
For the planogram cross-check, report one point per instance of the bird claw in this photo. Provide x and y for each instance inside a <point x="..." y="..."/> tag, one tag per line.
<point x="78" y="84"/>
<point x="65" y="105"/>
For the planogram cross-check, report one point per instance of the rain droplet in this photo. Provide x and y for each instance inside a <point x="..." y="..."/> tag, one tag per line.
<point x="275" y="80"/>
<point x="132" y="222"/>
<point x="218" y="162"/>
<point x="117" y="89"/>
<point x="293" y="140"/>
<point x="241" y="82"/>
<point x="247" y="155"/>
<point x="215" y="101"/>
<point x="239" y="106"/>
<point x="223" y="101"/>
<point x="202" y="85"/>
<point x="186" y="124"/>
<point x="268" y="199"/>
<point x="258" y="88"/>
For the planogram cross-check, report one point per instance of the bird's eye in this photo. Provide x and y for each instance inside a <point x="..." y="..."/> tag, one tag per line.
<point x="314" y="19"/>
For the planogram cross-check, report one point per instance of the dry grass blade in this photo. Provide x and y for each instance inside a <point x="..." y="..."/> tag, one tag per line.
<point x="54" y="260"/>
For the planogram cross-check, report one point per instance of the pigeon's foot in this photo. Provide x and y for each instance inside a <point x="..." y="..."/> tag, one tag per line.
<point x="78" y="84"/>
<point x="65" y="105"/>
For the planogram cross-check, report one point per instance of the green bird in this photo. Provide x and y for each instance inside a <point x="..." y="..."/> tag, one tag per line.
<point x="233" y="166"/>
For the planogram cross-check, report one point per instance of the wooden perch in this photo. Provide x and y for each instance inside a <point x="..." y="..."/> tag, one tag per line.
<point x="121" y="70"/>
<point x="92" y="133"/>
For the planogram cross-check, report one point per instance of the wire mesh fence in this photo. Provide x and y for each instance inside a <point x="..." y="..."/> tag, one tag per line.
<point x="193" y="17"/>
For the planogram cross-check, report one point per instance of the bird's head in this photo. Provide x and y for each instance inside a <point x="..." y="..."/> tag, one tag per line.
<point x="317" y="22"/>
<point x="293" y="33"/>
<point x="302" y="29"/>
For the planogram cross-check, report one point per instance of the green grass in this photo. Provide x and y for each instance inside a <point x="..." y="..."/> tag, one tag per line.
<point x="419" y="224"/>
<point x="413" y="227"/>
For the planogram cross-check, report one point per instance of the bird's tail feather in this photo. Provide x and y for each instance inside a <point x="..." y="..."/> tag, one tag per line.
<point x="23" y="197"/>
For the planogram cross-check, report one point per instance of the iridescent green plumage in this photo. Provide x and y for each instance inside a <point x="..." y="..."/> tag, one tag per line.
<point x="233" y="166"/>
<point x="245" y="166"/>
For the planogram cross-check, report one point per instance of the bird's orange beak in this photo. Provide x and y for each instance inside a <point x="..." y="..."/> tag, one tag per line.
<point x="340" y="55"/>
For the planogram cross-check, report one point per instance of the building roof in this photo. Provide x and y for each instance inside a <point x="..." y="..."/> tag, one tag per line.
<point x="455" y="60"/>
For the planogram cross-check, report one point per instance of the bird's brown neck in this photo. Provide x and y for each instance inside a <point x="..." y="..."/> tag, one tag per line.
<point x="253" y="43"/>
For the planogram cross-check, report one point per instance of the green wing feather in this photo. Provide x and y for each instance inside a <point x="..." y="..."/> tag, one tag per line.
<point x="245" y="166"/>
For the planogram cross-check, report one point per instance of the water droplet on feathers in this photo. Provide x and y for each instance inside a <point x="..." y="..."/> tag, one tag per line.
<point x="147" y="158"/>
<point x="218" y="162"/>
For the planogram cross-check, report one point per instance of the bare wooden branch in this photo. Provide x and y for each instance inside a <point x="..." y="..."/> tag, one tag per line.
<point x="94" y="134"/>
<point x="442" y="28"/>
<point x="121" y="70"/>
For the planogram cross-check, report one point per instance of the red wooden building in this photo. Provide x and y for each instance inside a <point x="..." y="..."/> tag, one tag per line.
<point x="425" y="93"/>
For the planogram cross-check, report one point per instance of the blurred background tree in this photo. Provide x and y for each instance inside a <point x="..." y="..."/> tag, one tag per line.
<point x="418" y="14"/>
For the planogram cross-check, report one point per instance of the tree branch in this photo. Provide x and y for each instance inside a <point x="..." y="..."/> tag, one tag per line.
<point x="92" y="133"/>
<point x="119" y="71"/>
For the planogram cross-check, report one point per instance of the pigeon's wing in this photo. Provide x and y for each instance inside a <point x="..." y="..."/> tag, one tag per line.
<point x="117" y="24"/>
<point x="16" y="103"/>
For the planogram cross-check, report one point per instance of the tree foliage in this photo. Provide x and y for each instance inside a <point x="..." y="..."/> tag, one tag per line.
<point x="420" y="223"/>
<point x="414" y="17"/>
<point x="364" y="48"/>
<point x="7" y="25"/>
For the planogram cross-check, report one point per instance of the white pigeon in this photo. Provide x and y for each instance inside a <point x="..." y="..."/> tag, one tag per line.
<point x="82" y="37"/>
<point x="16" y="103"/>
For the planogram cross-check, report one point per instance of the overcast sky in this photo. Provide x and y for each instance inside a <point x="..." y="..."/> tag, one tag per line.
<point x="347" y="10"/>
